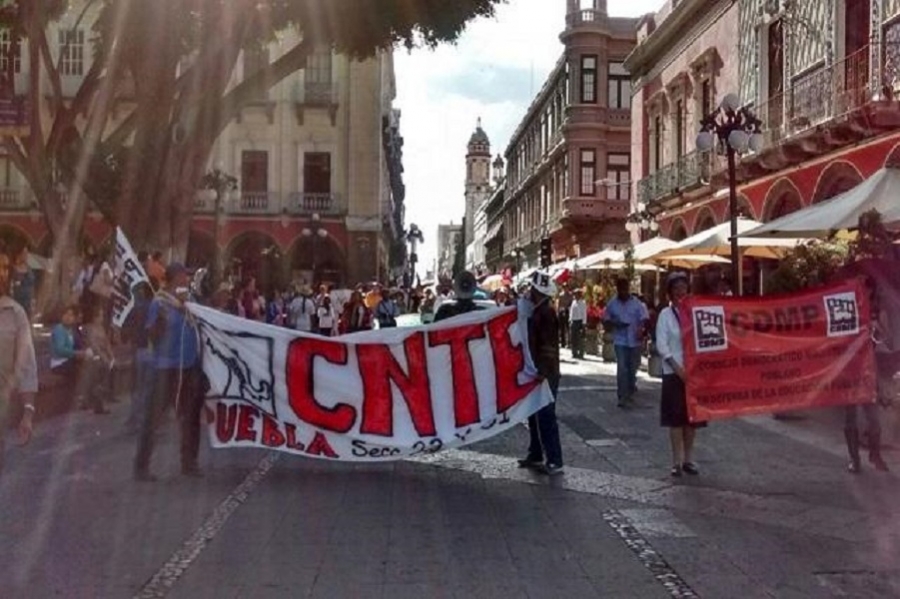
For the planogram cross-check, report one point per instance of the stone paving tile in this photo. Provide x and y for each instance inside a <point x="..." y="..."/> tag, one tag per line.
<point x="559" y="586"/>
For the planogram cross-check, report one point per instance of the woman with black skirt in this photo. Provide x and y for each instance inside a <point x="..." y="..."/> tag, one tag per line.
<point x="673" y="407"/>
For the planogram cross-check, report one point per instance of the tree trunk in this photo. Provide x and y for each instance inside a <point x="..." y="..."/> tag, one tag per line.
<point x="65" y="260"/>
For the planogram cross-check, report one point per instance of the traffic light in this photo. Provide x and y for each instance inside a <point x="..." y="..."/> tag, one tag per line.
<point x="546" y="252"/>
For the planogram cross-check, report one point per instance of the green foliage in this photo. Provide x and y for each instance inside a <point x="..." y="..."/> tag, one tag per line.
<point x="808" y="265"/>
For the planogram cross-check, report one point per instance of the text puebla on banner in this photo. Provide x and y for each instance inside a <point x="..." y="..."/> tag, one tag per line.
<point x="755" y="355"/>
<point x="378" y="395"/>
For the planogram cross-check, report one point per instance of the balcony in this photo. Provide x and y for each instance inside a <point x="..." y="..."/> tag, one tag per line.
<point x="690" y="172"/>
<point x="15" y="200"/>
<point x="319" y="203"/>
<point x="828" y="107"/>
<point x="257" y="202"/>
<point x="577" y="209"/>
<point x="585" y="17"/>
<point x="315" y="95"/>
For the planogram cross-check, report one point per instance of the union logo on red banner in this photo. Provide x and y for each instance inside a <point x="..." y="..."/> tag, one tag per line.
<point x="752" y="355"/>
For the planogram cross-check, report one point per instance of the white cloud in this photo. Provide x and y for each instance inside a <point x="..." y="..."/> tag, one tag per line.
<point x="493" y="72"/>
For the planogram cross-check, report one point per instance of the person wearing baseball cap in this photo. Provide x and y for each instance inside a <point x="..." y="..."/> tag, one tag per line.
<point x="544" y="450"/>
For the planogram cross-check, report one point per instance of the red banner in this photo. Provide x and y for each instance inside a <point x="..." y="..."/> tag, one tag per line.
<point x="755" y="355"/>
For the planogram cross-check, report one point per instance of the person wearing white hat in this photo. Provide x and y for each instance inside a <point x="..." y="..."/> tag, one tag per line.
<point x="544" y="450"/>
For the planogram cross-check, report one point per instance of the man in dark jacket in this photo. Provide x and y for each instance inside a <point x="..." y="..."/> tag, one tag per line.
<point x="543" y="342"/>
<point x="464" y="287"/>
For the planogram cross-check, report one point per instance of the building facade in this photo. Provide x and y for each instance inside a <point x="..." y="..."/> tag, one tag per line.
<point x="822" y="76"/>
<point x="318" y="161"/>
<point x="447" y="245"/>
<point x="568" y="162"/>
<point x="478" y="190"/>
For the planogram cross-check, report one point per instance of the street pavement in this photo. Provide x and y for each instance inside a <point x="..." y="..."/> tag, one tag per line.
<point x="773" y="514"/>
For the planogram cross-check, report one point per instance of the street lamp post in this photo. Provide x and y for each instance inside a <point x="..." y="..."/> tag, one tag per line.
<point x="414" y="237"/>
<point x="315" y="234"/>
<point x="517" y="254"/>
<point x="641" y="220"/>
<point x="218" y="187"/>
<point x="738" y="130"/>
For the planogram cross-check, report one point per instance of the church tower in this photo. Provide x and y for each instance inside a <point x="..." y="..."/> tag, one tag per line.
<point x="478" y="175"/>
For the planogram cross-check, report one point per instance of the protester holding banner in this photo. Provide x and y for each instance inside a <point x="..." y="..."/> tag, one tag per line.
<point x="884" y="375"/>
<point x="18" y="365"/>
<point x="673" y="404"/>
<point x="543" y="341"/>
<point x="326" y="317"/>
<point x="464" y="287"/>
<point x="626" y="316"/>
<point x="179" y="378"/>
<point x="135" y="332"/>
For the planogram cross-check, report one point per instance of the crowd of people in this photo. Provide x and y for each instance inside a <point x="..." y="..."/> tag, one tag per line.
<point x="167" y="362"/>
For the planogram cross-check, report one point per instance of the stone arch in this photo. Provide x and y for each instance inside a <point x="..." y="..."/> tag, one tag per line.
<point x="782" y="198"/>
<point x="678" y="231"/>
<point x="258" y="255"/>
<point x="706" y="219"/>
<point x="330" y="261"/>
<point x="893" y="157"/>
<point x="201" y="249"/>
<point x="745" y="208"/>
<point x="838" y="177"/>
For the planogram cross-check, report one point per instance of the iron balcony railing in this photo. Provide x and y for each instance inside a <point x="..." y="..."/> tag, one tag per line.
<point x="687" y="172"/>
<point x="821" y="94"/>
<point x="269" y="202"/>
<point x="14" y="199"/>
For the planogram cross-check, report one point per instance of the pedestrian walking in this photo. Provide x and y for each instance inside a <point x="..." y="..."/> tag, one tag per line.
<point x="544" y="450"/>
<point x="577" y="324"/>
<point x="386" y="311"/>
<point x="326" y="317"/>
<point x="302" y="311"/>
<point x="18" y="364"/>
<point x="564" y="307"/>
<point x="673" y="404"/>
<point x="627" y="316"/>
<point x="179" y="378"/>
<point x="135" y="331"/>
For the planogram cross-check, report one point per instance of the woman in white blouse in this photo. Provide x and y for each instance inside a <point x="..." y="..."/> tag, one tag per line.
<point x="326" y="317"/>
<point x="673" y="407"/>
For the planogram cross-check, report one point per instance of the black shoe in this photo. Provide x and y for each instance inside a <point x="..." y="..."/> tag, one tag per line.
<point x="530" y="462"/>
<point x="145" y="477"/>
<point x="690" y="468"/>
<point x="552" y="469"/>
<point x="675" y="471"/>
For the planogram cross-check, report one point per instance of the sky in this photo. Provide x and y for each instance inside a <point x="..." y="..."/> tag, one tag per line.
<point x="493" y="72"/>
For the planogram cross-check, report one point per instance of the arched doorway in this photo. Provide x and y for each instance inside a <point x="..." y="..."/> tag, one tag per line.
<point x="201" y="250"/>
<point x="782" y="199"/>
<point x="319" y="261"/>
<point x="838" y="177"/>
<point x="678" y="231"/>
<point x="257" y="255"/>
<point x="705" y="220"/>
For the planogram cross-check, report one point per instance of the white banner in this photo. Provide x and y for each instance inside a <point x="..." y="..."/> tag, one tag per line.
<point x="128" y="271"/>
<point x="377" y="395"/>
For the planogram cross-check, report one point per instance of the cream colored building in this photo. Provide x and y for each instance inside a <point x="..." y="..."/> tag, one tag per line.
<point x="317" y="158"/>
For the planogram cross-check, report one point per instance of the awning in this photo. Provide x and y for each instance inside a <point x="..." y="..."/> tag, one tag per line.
<point x="878" y="192"/>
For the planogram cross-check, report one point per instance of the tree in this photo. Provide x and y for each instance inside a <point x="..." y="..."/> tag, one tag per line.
<point x="168" y="65"/>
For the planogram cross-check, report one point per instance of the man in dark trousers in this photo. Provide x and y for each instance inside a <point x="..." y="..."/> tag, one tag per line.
<point x="543" y="342"/>
<point x="464" y="287"/>
<point x="179" y="378"/>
